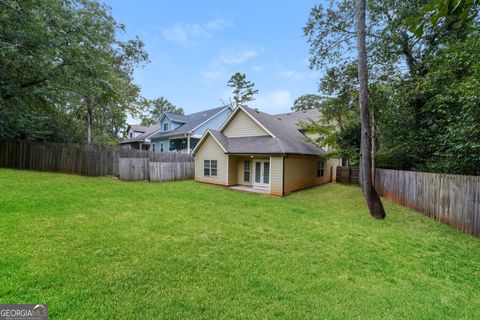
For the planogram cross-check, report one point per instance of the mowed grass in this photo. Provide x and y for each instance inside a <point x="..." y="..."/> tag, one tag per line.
<point x="99" y="248"/>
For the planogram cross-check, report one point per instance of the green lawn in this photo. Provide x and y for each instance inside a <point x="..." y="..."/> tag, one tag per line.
<point x="99" y="248"/>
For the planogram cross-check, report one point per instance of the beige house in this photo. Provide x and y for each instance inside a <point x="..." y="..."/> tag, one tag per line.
<point x="258" y="152"/>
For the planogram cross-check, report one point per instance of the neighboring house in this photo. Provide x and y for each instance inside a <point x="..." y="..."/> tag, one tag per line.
<point x="137" y="136"/>
<point x="256" y="151"/>
<point x="182" y="132"/>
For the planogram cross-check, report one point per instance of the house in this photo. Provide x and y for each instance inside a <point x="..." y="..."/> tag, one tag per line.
<point x="182" y="132"/>
<point x="255" y="151"/>
<point x="137" y="136"/>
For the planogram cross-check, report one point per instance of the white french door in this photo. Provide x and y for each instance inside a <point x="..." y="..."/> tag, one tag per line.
<point x="261" y="174"/>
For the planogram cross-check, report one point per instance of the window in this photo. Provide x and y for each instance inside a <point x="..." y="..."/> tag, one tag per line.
<point x="161" y="146"/>
<point x="246" y="171"/>
<point x="165" y="126"/>
<point x="344" y="162"/>
<point x="320" y="168"/>
<point x="213" y="165"/>
<point x="131" y="134"/>
<point x="206" y="168"/>
<point x="153" y="146"/>
<point x="210" y="168"/>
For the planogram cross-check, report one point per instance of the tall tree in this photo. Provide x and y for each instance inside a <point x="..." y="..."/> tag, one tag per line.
<point x="156" y="108"/>
<point x="243" y="89"/>
<point x="307" y="102"/>
<point x="374" y="202"/>
<point x="61" y="61"/>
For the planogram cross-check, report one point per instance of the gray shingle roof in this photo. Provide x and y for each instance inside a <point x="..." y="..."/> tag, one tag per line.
<point x="287" y="137"/>
<point x="138" y="127"/>
<point x="189" y="121"/>
<point x="141" y="138"/>
<point x="300" y="116"/>
<point x="177" y="117"/>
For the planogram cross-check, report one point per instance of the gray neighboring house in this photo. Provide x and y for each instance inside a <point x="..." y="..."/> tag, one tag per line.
<point x="138" y="136"/>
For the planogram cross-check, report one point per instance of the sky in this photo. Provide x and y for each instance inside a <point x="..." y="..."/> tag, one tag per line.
<point x="195" y="46"/>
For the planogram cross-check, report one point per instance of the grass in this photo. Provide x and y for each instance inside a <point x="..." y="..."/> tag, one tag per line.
<point x="99" y="248"/>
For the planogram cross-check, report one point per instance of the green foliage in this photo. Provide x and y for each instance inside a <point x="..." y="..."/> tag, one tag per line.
<point x="458" y="12"/>
<point x="243" y="89"/>
<point x="156" y="108"/>
<point x="307" y="102"/>
<point x="424" y="87"/>
<point x="348" y="142"/>
<point x="61" y="60"/>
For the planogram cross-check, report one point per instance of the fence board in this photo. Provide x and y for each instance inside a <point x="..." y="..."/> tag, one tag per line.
<point x="79" y="159"/>
<point x="451" y="199"/>
<point x="93" y="160"/>
<point x="166" y="171"/>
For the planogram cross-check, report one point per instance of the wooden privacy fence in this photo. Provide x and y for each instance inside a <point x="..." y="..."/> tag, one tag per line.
<point x="81" y="159"/>
<point x="348" y="175"/>
<point x="94" y="160"/>
<point x="451" y="199"/>
<point x="155" y="166"/>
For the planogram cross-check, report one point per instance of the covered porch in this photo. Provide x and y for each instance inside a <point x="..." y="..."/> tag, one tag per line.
<point x="186" y="144"/>
<point x="255" y="173"/>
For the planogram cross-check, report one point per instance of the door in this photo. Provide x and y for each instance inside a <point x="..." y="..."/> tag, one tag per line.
<point x="261" y="174"/>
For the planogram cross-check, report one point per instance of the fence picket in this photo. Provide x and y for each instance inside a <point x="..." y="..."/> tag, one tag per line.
<point x="450" y="199"/>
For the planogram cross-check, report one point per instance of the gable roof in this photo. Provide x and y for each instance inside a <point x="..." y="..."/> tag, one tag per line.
<point x="190" y="121"/>
<point x="176" y="117"/>
<point x="300" y="116"/>
<point x="285" y="137"/>
<point x="141" y="138"/>
<point x="138" y="127"/>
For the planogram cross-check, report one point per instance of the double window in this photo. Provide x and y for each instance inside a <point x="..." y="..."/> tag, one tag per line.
<point x="165" y="126"/>
<point x="320" y="170"/>
<point x="246" y="171"/>
<point x="210" y="168"/>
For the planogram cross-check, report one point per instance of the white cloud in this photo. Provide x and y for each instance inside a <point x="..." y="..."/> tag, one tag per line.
<point x="186" y="33"/>
<point x="273" y="101"/>
<point x="217" y="69"/>
<point x="236" y="56"/>
<point x="218" y="24"/>
<point x="258" y="68"/>
<point x="291" y="74"/>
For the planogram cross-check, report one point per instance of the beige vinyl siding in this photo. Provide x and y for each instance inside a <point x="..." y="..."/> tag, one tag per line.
<point x="276" y="175"/>
<point x="243" y="126"/>
<point x="210" y="150"/>
<point x="240" y="170"/>
<point x="301" y="172"/>
<point x="232" y="170"/>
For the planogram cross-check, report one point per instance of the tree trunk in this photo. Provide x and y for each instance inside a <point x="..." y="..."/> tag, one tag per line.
<point x="374" y="147"/>
<point x="89" y="124"/>
<point x="374" y="202"/>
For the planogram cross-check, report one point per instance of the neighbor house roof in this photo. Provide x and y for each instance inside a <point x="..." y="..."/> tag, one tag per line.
<point x="284" y="136"/>
<point x="301" y="116"/>
<point x="190" y="121"/>
<point x="138" y="127"/>
<point x="141" y="138"/>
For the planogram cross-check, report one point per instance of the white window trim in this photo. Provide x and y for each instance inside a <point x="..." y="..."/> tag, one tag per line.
<point x="210" y="168"/>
